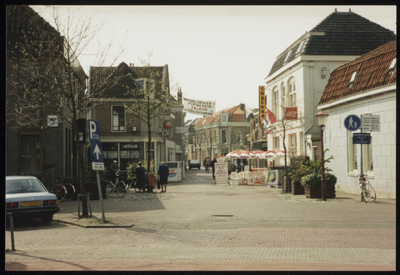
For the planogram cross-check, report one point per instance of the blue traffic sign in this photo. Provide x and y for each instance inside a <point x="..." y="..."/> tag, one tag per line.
<point x="96" y="148"/>
<point x="94" y="130"/>
<point x="96" y="151"/>
<point x="352" y="122"/>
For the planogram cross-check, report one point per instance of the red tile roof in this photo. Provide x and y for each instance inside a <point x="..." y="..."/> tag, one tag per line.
<point x="235" y="115"/>
<point x="373" y="71"/>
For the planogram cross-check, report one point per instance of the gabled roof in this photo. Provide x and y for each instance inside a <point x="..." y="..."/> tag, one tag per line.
<point x="341" y="33"/>
<point x="372" y="71"/>
<point x="23" y="21"/>
<point x="124" y="76"/>
<point x="236" y="114"/>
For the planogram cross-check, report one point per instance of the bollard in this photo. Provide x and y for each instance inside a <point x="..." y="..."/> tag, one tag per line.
<point x="88" y="201"/>
<point x="11" y="222"/>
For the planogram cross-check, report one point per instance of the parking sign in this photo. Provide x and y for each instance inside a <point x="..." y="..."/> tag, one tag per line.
<point x="96" y="148"/>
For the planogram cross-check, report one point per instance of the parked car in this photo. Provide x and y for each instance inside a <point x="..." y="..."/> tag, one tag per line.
<point x="27" y="198"/>
<point x="194" y="164"/>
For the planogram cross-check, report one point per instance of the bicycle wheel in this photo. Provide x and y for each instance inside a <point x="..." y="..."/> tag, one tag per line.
<point x="370" y="192"/>
<point x="364" y="196"/>
<point x="120" y="190"/>
<point x="70" y="191"/>
<point x="109" y="188"/>
<point x="60" y="191"/>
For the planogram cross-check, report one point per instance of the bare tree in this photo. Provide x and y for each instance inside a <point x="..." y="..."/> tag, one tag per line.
<point x="285" y="124"/>
<point x="53" y="76"/>
<point x="152" y="99"/>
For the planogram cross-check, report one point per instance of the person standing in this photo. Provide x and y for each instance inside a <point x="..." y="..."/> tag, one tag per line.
<point x="163" y="172"/>
<point x="141" y="177"/>
<point x="208" y="163"/>
<point x="114" y="168"/>
<point x="213" y="167"/>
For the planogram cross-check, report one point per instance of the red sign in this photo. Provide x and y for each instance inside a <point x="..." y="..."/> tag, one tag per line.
<point x="167" y="124"/>
<point x="291" y="113"/>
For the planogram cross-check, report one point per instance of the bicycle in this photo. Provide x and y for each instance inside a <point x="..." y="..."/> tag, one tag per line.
<point x="70" y="191"/>
<point x="59" y="190"/>
<point x="367" y="191"/>
<point x="118" y="187"/>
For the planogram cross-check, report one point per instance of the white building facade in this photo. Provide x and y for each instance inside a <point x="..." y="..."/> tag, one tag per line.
<point x="340" y="101"/>
<point x="298" y="77"/>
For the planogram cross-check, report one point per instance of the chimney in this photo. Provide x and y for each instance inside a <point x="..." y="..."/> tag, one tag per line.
<point x="243" y="108"/>
<point x="131" y="65"/>
<point x="180" y="95"/>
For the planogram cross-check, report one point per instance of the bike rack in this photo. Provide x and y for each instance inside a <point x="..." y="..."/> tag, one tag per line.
<point x="87" y="195"/>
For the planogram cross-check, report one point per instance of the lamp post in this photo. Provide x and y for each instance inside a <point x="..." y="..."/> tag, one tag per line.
<point x="248" y="137"/>
<point x="321" y="121"/>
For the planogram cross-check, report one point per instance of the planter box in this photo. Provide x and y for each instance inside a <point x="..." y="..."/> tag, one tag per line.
<point x="297" y="189"/>
<point x="316" y="192"/>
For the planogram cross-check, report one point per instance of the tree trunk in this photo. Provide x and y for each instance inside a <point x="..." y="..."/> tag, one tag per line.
<point x="43" y="152"/>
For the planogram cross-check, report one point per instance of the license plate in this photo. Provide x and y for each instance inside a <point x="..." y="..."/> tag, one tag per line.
<point x="30" y="203"/>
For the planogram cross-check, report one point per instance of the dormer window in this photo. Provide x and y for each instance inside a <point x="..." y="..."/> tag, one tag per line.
<point x="392" y="66"/>
<point x="300" y="47"/>
<point x="287" y="57"/>
<point x="353" y="77"/>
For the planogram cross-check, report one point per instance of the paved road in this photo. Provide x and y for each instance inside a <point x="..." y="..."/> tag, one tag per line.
<point x="198" y="225"/>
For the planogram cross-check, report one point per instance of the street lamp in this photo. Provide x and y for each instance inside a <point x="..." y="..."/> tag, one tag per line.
<point x="321" y="121"/>
<point x="248" y="137"/>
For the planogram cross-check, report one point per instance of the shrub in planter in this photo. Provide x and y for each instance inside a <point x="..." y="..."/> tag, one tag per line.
<point x="312" y="185"/>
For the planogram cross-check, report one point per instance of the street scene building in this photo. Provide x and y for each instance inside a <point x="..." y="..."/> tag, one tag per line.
<point x="220" y="134"/>
<point x="125" y="136"/>
<point x="363" y="87"/>
<point x="38" y="111"/>
<point x="298" y="77"/>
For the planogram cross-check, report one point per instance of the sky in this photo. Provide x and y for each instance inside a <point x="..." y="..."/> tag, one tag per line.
<point x="220" y="53"/>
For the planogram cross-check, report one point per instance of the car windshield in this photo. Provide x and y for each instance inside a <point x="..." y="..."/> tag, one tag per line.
<point x="24" y="186"/>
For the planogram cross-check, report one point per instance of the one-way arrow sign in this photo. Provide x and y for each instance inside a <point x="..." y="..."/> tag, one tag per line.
<point x="96" y="149"/>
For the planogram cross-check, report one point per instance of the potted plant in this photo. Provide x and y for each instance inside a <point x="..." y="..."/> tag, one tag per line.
<point x="311" y="181"/>
<point x="297" y="171"/>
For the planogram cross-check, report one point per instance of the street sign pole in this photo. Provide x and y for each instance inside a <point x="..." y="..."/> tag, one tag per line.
<point x="96" y="150"/>
<point x="100" y="195"/>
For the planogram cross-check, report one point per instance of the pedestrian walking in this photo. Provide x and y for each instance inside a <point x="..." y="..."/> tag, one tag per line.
<point x="141" y="179"/>
<point x="163" y="172"/>
<point x="213" y="167"/>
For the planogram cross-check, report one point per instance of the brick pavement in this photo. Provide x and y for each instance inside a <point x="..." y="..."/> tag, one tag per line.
<point x="197" y="225"/>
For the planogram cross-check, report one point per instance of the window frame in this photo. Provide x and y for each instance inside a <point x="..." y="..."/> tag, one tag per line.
<point x="224" y="134"/>
<point x="112" y="120"/>
<point x="275" y="101"/>
<point x="292" y="92"/>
